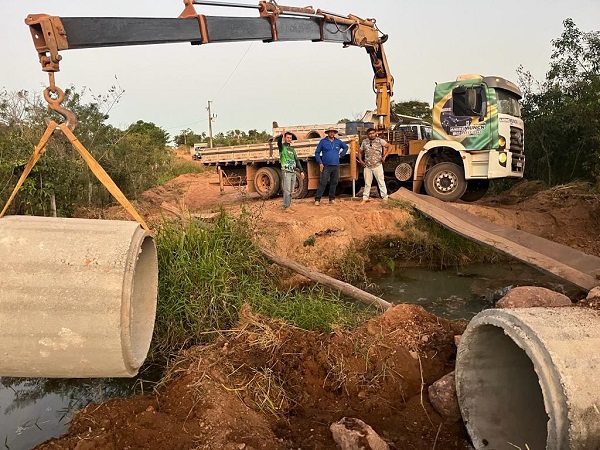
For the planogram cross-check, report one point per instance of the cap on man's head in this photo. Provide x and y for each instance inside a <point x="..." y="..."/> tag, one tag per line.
<point x="330" y="129"/>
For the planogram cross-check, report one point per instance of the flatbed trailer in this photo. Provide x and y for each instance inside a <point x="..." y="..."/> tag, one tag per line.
<point x="257" y="166"/>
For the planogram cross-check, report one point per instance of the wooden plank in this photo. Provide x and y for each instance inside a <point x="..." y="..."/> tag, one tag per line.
<point x="487" y="233"/>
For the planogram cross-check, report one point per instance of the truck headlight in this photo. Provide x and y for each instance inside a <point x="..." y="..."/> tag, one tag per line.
<point x="502" y="143"/>
<point x="502" y="158"/>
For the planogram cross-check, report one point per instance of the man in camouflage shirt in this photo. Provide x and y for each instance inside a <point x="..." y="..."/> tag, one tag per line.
<point x="371" y="155"/>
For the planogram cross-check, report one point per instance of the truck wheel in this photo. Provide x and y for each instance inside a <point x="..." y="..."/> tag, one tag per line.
<point x="267" y="182"/>
<point x="392" y="185"/>
<point x="445" y="181"/>
<point x="475" y="190"/>
<point x="300" y="189"/>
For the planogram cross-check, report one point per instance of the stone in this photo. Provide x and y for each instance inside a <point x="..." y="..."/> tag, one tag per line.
<point x="594" y="294"/>
<point x="442" y="396"/>
<point x="350" y="433"/>
<point x="532" y="296"/>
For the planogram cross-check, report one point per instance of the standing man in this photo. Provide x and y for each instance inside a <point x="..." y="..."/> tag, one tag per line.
<point x="371" y="155"/>
<point x="328" y="154"/>
<point x="289" y="164"/>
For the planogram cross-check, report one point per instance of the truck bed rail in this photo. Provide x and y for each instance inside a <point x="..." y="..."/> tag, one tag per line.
<point x="266" y="152"/>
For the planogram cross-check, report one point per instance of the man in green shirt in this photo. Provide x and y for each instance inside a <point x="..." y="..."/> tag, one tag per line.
<point x="289" y="164"/>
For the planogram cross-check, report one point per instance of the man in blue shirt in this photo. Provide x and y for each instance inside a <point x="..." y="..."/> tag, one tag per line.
<point x="328" y="154"/>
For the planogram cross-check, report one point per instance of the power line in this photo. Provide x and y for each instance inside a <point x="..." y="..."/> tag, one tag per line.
<point x="222" y="87"/>
<point x="234" y="69"/>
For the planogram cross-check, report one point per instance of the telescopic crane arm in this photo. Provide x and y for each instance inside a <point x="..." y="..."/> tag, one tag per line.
<point x="52" y="34"/>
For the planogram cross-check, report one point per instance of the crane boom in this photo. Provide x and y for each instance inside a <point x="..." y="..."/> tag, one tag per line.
<point x="53" y="34"/>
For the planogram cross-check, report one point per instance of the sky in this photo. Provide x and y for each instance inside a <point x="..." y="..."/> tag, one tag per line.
<point x="252" y="84"/>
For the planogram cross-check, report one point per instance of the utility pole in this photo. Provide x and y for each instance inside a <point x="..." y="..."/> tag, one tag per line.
<point x="211" y="118"/>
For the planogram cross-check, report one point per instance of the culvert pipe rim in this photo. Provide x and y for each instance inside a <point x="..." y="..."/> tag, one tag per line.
<point x="138" y="307"/>
<point x="526" y="377"/>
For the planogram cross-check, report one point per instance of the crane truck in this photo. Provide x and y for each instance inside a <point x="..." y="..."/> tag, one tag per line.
<point x="477" y="129"/>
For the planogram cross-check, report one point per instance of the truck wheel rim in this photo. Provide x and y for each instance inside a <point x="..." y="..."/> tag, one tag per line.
<point x="446" y="182"/>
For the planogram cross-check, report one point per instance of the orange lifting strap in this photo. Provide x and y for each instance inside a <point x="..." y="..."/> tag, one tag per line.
<point x="94" y="166"/>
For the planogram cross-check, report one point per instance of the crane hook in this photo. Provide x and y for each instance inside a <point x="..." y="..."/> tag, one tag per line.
<point x="55" y="96"/>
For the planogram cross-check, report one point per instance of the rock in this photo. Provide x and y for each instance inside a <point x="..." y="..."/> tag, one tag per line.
<point x="442" y="395"/>
<point x="353" y="434"/>
<point x="532" y="296"/>
<point x="594" y="294"/>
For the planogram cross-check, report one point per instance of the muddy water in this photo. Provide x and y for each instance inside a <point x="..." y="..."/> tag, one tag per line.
<point x="33" y="410"/>
<point x="460" y="294"/>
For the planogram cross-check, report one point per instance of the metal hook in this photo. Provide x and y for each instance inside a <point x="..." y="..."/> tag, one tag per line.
<point x="55" y="96"/>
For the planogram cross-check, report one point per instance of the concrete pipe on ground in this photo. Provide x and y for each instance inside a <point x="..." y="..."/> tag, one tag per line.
<point x="77" y="297"/>
<point x="529" y="378"/>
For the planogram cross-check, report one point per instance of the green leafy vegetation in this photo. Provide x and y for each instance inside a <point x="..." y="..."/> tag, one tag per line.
<point x="429" y="244"/>
<point x="136" y="158"/>
<point x="414" y="108"/>
<point x="562" y="112"/>
<point x="206" y="274"/>
<point x="231" y="137"/>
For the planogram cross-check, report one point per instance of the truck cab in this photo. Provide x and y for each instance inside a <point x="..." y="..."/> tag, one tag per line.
<point x="197" y="150"/>
<point x="477" y="136"/>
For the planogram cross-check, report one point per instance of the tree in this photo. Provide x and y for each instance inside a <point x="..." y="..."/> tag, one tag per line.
<point x="155" y="133"/>
<point x="188" y="137"/>
<point x="414" y="108"/>
<point x="134" y="158"/>
<point x="562" y="112"/>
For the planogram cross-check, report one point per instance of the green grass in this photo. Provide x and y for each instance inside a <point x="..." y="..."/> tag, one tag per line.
<point x="429" y="244"/>
<point x="207" y="272"/>
<point x="178" y="167"/>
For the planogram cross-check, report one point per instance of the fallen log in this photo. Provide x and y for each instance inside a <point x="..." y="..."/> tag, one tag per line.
<point x="345" y="288"/>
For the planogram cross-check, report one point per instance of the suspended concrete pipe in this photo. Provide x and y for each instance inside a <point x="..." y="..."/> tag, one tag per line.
<point x="530" y="378"/>
<point x="77" y="297"/>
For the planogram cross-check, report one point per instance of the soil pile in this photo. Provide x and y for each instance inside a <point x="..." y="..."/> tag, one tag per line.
<point x="267" y="385"/>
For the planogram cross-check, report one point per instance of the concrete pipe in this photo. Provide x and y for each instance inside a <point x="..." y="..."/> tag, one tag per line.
<point x="530" y="378"/>
<point x="77" y="297"/>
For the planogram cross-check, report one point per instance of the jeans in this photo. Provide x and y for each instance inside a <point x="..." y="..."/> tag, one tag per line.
<point x="331" y="174"/>
<point x="376" y="172"/>
<point x="289" y="179"/>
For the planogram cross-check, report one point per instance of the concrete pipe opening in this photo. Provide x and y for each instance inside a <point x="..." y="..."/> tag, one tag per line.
<point x="528" y="378"/>
<point x="77" y="297"/>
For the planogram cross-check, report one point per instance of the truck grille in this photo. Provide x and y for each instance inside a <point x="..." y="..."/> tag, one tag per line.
<point x="516" y="140"/>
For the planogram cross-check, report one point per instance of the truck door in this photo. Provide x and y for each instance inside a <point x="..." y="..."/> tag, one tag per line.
<point x="468" y="120"/>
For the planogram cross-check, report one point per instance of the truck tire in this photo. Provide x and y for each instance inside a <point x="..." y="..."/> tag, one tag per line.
<point x="445" y="181"/>
<point x="267" y="182"/>
<point x="300" y="189"/>
<point x="475" y="190"/>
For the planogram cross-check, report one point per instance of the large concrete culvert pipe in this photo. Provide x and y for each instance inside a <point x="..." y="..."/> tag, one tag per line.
<point x="530" y="378"/>
<point x="77" y="297"/>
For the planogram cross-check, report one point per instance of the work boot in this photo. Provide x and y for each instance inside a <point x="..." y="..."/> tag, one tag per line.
<point x="331" y="202"/>
<point x="288" y="210"/>
<point x="317" y="202"/>
<point x="385" y="200"/>
<point x="363" y="201"/>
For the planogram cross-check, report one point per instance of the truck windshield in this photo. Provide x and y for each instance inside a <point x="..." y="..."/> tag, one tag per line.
<point x="508" y="103"/>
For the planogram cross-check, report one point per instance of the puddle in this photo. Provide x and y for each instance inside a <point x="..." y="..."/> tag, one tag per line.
<point x="461" y="294"/>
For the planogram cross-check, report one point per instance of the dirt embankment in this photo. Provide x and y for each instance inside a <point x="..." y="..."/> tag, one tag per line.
<point x="271" y="386"/>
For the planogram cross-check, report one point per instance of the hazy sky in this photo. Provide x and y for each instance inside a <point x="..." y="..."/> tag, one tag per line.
<point x="252" y="84"/>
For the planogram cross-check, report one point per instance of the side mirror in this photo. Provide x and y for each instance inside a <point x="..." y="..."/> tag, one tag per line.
<point x="483" y="112"/>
